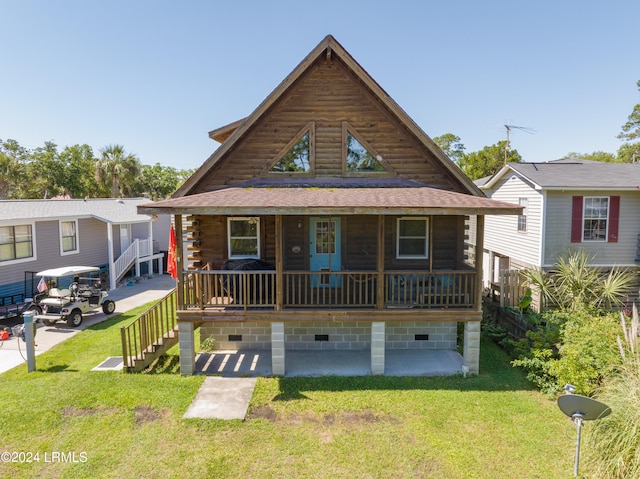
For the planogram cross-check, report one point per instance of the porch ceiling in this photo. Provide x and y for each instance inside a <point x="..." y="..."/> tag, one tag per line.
<point x="331" y="196"/>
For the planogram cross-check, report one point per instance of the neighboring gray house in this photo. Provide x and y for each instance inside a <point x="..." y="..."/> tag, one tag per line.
<point x="40" y="234"/>
<point x="569" y="204"/>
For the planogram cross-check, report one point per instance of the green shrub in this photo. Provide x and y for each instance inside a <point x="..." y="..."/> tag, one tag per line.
<point x="613" y="445"/>
<point x="576" y="347"/>
<point x="537" y="365"/>
<point x="588" y="352"/>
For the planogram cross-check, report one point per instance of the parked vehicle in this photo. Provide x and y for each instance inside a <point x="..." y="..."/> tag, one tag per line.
<point x="83" y="294"/>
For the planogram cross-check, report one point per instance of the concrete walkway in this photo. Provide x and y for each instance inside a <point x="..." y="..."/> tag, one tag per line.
<point x="126" y="298"/>
<point x="222" y="398"/>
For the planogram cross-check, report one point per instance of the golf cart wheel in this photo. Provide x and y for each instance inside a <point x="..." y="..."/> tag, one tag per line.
<point x="75" y="318"/>
<point x="108" y="307"/>
<point x="34" y="309"/>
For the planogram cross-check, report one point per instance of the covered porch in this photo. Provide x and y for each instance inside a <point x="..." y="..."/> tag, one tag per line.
<point x="330" y="251"/>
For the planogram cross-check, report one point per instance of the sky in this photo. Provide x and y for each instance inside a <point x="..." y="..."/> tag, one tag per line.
<point x="157" y="76"/>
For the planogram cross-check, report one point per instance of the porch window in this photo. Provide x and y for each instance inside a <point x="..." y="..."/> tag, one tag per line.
<point x="16" y="242"/>
<point x="244" y="237"/>
<point x="68" y="237"/>
<point x="413" y="238"/>
<point x="595" y="219"/>
<point x="522" y="219"/>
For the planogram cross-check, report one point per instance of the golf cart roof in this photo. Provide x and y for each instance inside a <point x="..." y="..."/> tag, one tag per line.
<point x="67" y="271"/>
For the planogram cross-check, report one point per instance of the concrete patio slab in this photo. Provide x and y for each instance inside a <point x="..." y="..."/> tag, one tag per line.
<point x="253" y="363"/>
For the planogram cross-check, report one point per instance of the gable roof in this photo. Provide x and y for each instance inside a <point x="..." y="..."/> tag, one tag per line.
<point x="573" y="174"/>
<point x="110" y="210"/>
<point x="328" y="47"/>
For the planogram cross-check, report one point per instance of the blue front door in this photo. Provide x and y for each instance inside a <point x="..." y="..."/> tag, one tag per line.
<point x="325" y="251"/>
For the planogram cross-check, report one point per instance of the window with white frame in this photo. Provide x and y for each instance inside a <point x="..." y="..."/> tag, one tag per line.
<point x="68" y="237"/>
<point x="244" y="237"/>
<point x="595" y="218"/>
<point x="412" y="238"/>
<point x="522" y="218"/>
<point x="16" y="242"/>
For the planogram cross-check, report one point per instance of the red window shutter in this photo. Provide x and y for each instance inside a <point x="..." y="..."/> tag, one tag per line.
<point x="576" y="220"/>
<point x="614" y="218"/>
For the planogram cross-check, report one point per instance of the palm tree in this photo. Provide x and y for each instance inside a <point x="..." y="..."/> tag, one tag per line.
<point x="117" y="164"/>
<point x="573" y="283"/>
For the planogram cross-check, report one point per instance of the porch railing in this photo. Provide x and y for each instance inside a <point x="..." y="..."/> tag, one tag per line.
<point x="149" y="334"/>
<point x="344" y="289"/>
<point x="145" y="247"/>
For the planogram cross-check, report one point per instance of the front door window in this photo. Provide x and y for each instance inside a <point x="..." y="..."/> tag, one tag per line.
<point x="325" y="250"/>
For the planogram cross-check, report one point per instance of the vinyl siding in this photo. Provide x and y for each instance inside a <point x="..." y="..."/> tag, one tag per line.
<point x="93" y="251"/>
<point x="501" y="232"/>
<point x="558" y="230"/>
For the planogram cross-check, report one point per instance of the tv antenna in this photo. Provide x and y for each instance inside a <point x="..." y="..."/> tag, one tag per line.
<point x="581" y="408"/>
<point x="508" y="127"/>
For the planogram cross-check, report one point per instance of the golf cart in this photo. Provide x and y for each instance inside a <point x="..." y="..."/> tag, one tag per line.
<point x="83" y="293"/>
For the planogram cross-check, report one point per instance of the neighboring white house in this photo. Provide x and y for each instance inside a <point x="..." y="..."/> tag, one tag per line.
<point x="569" y="204"/>
<point x="40" y="234"/>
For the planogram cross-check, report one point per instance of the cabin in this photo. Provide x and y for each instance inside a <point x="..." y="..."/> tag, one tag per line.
<point x="36" y="235"/>
<point x="328" y="220"/>
<point x="567" y="205"/>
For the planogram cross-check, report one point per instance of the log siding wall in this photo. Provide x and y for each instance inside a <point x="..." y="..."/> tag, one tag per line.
<point x="359" y="243"/>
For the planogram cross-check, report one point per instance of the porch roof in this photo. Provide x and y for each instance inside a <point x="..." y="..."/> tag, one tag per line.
<point x="331" y="196"/>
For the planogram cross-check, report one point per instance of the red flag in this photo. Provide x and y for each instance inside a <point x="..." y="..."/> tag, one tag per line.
<point x="172" y="269"/>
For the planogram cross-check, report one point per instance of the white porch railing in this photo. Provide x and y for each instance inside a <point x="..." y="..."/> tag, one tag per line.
<point x="126" y="260"/>
<point x="145" y="247"/>
<point x="140" y="250"/>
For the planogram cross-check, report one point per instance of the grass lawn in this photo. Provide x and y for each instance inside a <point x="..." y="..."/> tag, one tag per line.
<point x="116" y="425"/>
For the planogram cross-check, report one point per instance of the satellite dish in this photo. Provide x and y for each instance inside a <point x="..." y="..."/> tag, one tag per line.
<point x="581" y="408"/>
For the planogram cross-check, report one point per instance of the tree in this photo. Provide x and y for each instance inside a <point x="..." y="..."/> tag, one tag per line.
<point x="629" y="153"/>
<point x="11" y="171"/>
<point x="602" y="156"/>
<point x="157" y="182"/>
<point x="13" y="159"/>
<point x="45" y="173"/>
<point x="79" y="178"/>
<point x="117" y="166"/>
<point x="451" y="145"/>
<point x="631" y="129"/>
<point x="487" y="161"/>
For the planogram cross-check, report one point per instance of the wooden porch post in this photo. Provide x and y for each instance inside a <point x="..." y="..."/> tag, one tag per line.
<point x="179" y="265"/>
<point x="279" y="264"/>
<point x="380" y="265"/>
<point x="479" y="260"/>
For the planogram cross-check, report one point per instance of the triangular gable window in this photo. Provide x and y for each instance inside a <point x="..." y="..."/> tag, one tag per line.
<point x="360" y="157"/>
<point x="297" y="156"/>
